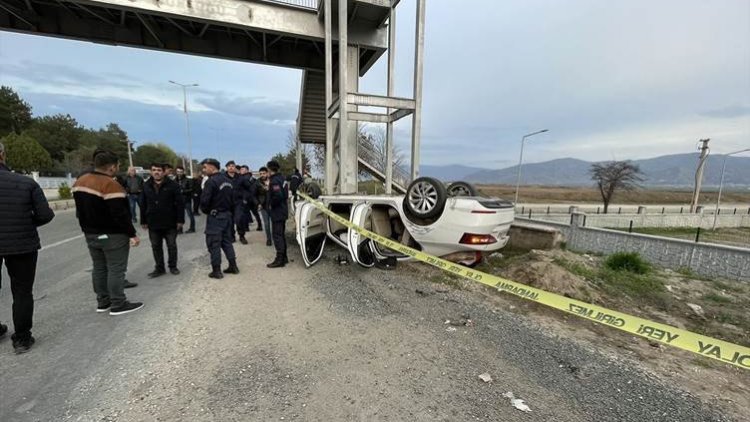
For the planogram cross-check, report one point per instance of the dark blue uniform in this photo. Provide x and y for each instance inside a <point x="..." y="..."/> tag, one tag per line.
<point x="277" y="205"/>
<point x="217" y="202"/>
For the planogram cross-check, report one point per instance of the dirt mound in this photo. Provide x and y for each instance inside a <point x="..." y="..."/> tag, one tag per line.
<point x="540" y="271"/>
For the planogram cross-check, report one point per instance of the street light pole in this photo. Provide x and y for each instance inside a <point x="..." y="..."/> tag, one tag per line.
<point x="187" y="121"/>
<point x="520" y="161"/>
<point x="130" y="152"/>
<point x="721" y="183"/>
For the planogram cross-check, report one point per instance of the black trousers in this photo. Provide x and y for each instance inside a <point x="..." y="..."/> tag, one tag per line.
<point x="157" y="237"/>
<point x="197" y="205"/>
<point x="256" y="214"/>
<point x="279" y="240"/>
<point x="22" y="271"/>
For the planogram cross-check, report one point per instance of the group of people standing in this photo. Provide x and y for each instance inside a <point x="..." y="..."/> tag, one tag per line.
<point x="106" y="208"/>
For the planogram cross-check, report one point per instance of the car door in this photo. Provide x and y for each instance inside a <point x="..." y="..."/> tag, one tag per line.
<point x="359" y="245"/>
<point x="311" y="232"/>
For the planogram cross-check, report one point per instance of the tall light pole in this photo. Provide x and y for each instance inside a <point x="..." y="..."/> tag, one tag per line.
<point x="187" y="120"/>
<point x="130" y="152"/>
<point x="721" y="183"/>
<point x="520" y="161"/>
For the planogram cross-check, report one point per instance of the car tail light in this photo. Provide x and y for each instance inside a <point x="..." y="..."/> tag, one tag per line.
<point x="477" y="239"/>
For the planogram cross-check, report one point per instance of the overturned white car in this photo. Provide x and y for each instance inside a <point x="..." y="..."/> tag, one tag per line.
<point x="453" y="223"/>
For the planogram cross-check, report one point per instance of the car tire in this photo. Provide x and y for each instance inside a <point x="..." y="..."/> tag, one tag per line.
<point x="312" y="190"/>
<point x="462" y="189"/>
<point x="425" y="199"/>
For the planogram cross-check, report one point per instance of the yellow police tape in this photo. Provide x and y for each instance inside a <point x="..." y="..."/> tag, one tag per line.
<point x="703" y="345"/>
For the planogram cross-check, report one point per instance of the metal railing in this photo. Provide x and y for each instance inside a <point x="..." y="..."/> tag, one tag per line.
<point x="377" y="160"/>
<point x="305" y="4"/>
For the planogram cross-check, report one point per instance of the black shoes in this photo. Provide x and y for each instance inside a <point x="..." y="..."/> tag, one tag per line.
<point x="125" y="308"/>
<point x="243" y="240"/>
<point x="269" y="243"/>
<point x="277" y="263"/>
<point x="3" y="330"/>
<point x="174" y="271"/>
<point x="216" y="273"/>
<point x="103" y="307"/>
<point x="232" y="268"/>
<point x="23" y="345"/>
<point x="129" y="285"/>
<point x="156" y="273"/>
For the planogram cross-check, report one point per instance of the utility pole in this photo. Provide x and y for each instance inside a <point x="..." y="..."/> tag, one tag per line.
<point x="699" y="174"/>
<point x="520" y="162"/>
<point x="130" y="152"/>
<point x="187" y="123"/>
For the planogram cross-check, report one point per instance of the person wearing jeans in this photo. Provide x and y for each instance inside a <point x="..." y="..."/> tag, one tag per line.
<point x="104" y="217"/>
<point x="133" y="187"/>
<point x="23" y="208"/>
<point x="162" y="214"/>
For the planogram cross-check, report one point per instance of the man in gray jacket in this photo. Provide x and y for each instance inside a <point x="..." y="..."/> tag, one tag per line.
<point x="23" y="208"/>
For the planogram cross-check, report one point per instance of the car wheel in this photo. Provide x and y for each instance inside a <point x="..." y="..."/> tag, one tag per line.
<point x="462" y="189"/>
<point x="312" y="190"/>
<point x="425" y="199"/>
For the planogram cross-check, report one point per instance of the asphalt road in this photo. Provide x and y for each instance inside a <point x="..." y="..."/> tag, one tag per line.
<point x="72" y="340"/>
<point x="323" y="344"/>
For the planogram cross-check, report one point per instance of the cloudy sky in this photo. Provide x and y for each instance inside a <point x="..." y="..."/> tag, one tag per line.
<point x="615" y="79"/>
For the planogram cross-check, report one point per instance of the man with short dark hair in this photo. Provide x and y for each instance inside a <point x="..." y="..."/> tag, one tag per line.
<point x="295" y="181"/>
<point x="23" y="208"/>
<point x="262" y="198"/>
<point x="162" y="214"/>
<point x="133" y="187"/>
<point x="278" y="210"/>
<point x="168" y="170"/>
<point x="186" y="186"/>
<point x="217" y="202"/>
<point x="104" y="217"/>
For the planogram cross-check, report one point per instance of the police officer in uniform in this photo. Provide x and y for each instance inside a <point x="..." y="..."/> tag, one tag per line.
<point x="217" y="202"/>
<point x="278" y="210"/>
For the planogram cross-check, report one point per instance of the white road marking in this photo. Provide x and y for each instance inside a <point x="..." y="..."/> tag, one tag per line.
<point x="62" y="242"/>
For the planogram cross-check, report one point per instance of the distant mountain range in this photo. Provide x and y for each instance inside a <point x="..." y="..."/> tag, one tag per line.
<point x="666" y="171"/>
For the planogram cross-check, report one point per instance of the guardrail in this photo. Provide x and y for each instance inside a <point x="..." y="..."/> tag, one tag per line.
<point x="305" y="4"/>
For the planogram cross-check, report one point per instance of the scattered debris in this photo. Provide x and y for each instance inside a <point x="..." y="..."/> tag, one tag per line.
<point x="421" y="292"/>
<point x="517" y="403"/>
<point x="485" y="377"/>
<point x="442" y="290"/>
<point x="451" y="329"/>
<point x="496" y="255"/>
<point x="669" y="288"/>
<point x="697" y="309"/>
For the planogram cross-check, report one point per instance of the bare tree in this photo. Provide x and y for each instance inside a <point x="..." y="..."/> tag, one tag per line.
<point x="615" y="175"/>
<point x="374" y="142"/>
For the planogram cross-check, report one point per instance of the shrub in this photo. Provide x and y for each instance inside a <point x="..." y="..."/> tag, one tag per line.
<point x="627" y="261"/>
<point x="63" y="191"/>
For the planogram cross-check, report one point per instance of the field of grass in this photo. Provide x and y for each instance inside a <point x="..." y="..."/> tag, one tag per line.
<point x="739" y="236"/>
<point x="562" y="194"/>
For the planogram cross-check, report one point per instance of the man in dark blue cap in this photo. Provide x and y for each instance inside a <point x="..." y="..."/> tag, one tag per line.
<point x="217" y="202"/>
<point x="278" y="210"/>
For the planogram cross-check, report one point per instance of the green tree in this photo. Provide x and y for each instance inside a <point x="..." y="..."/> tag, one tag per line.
<point x="15" y="113"/>
<point x="58" y="134"/>
<point x="25" y="154"/>
<point x="154" y="153"/>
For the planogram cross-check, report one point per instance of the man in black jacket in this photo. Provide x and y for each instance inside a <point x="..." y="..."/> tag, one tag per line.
<point x="186" y="186"/>
<point x="23" y="208"/>
<point x="278" y="210"/>
<point x="197" y="190"/>
<point x="162" y="214"/>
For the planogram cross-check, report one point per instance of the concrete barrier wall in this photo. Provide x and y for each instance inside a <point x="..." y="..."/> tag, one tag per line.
<point x="705" y="259"/>
<point x="653" y="220"/>
<point x="62" y="205"/>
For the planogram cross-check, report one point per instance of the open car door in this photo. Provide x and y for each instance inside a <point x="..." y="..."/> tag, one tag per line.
<point x="311" y="232"/>
<point x="359" y="245"/>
